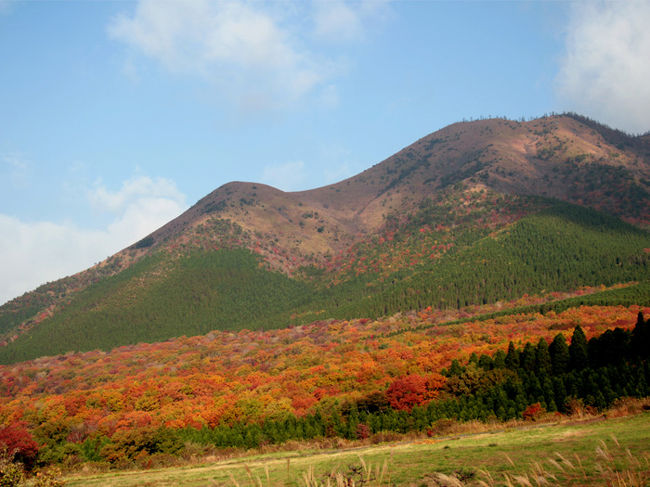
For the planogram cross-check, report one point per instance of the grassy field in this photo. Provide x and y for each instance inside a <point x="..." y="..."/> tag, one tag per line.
<point x="595" y="452"/>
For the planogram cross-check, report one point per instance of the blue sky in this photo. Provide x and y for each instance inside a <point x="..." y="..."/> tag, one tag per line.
<point x="115" y="116"/>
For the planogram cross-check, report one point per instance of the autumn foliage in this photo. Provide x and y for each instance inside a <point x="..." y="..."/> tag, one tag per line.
<point x="331" y="378"/>
<point x="414" y="389"/>
<point x="18" y="443"/>
<point x="533" y="412"/>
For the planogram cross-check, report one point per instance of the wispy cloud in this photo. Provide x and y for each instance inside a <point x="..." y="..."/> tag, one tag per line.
<point x="336" y="20"/>
<point x="134" y="190"/>
<point x="290" y="176"/>
<point x="238" y="45"/>
<point x="605" y="70"/>
<point x="32" y="253"/>
<point x="341" y="21"/>
<point x="260" y="54"/>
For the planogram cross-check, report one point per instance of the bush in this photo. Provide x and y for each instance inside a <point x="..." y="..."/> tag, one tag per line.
<point x="18" y="444"/>
<point x="145" y="242"/>
<point x="412" y="390"/>
<point x="442" y="427"/>
<point x="533" y="412"/>
<point x="11" y="474"/>
<point x="136" y="445"/>
<point x="50" y="477"/>
<point x="363" y="431"/>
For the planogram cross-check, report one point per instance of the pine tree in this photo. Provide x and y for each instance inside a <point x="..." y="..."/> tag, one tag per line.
<point x="559" y="352"/>
<point x="512" y="357"/>
<point x="542" y="358"/>
<point x="455" y="369"/>
<point x="578" y="350"/>
<point x="641" y="337"/>
<point x="485" y="362"/>
<point x="527" y="357"/>
<point x="500" y="360"/>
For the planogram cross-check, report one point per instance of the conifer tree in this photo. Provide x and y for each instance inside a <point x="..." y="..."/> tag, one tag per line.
<point x="559" y="352"/>
<point x="641" y="337"/>
<point x="578" y="350"/>
<point x="455" y="369"/>
<point x="512" y="357"/>
<point x="485" y="362"/>
<point x="500" y="360"/>
<point x="542" y="358"/>
<point x="527" y="357"/>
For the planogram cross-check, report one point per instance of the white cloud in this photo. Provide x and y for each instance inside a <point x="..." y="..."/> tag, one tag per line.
<point x="344" y="21"/>
<point x="605" y="72"/>
<point x="32" y="253"/>
<point x="337" y="20"/>
<point x="260" y="55"/>
<point x="287" y="177"/>
<point x="135" y="189"/>
<point x="240" y="46"/>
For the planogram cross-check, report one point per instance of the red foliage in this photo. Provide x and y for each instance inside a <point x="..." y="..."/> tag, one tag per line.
<point x="414" y="389"/>
<point x="302" y="404"/>
<point x="363" y="431"/>
<point x="223" y="376"/>
<point x="533" y="411"/>
<point x="18" y="443"/>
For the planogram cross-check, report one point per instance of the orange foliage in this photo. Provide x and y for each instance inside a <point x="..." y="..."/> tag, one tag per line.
<point x="226" y="377"/>
<point x="414" y="390"/>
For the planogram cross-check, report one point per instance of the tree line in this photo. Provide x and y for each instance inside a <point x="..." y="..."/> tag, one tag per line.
<point x="516" y="383"/>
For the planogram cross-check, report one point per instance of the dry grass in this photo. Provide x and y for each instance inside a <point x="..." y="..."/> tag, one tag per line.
<point x="616" y="467"/>
<point x="628" y="406"/>
<point x="578" y="452"/>
<point x="612" y="467"/>
<point x="366" y="474"/>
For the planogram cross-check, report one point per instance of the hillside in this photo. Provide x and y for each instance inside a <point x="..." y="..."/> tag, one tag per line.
<point x="331" y="379"/>
<point x="470" y="214"/>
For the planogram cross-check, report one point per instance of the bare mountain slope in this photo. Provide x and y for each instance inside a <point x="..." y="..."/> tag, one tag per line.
<point x="559" y="157"/>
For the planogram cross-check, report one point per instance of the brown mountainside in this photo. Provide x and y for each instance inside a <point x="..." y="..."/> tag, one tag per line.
<point x="567" y="157"/>
<point x="564" y="157"/>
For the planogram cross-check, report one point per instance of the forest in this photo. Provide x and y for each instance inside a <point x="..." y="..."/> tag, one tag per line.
<point x="477" y="257"/>
<point x="333" y="379"/>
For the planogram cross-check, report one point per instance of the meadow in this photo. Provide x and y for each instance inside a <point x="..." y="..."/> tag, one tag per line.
<point x="594" y="450"/>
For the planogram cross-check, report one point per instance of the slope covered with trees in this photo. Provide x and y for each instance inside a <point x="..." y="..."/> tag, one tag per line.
<point x="347" y="379"/>
<point x="166" y="295"/>
<point x="474" y="213"/>
<point x="560" y="248"/>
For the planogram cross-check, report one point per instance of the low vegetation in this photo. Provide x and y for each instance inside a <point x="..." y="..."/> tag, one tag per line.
<point x="576" y="451"/>
<point x="159" y="404"/>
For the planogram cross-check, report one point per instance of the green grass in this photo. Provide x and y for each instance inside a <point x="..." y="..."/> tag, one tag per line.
<point x="413" y="462"/>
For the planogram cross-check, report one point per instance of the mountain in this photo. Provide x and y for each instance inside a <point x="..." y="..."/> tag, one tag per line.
<point x="474" y="213"/>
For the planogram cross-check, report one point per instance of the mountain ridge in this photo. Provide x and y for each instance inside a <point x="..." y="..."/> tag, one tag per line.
<point x="483" y="172"/>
